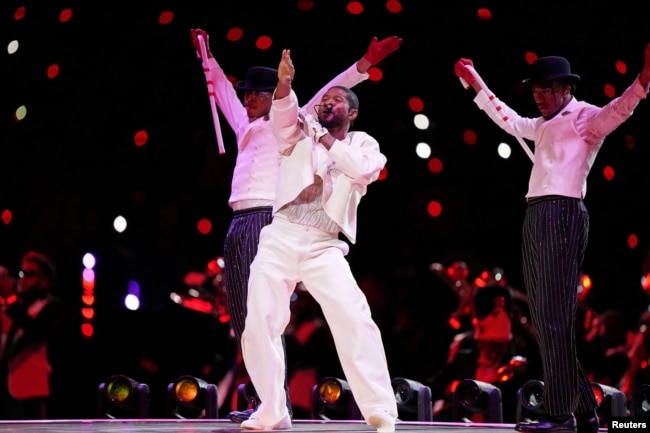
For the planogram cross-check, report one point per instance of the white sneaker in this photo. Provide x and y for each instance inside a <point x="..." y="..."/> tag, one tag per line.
<point x="254" y="423"/>
<point x="383" y="421"/>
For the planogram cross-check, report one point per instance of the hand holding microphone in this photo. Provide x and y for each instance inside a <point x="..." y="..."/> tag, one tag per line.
<point x="312" y="127"/>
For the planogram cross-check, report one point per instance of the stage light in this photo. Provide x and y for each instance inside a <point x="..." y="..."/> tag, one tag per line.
<point x="640" y="401"/>
<point x="122" y="397"/>
<point x="247" y="397"/>
<point x="476" y="397"/>
<point x="529" y="401"/>
<point x="611" y="402"/>
<point x="413" y="400"/>
<point x="332" y="399"/>
<point x="191" y="397"/>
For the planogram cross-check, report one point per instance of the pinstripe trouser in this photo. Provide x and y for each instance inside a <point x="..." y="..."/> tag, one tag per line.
<point x="239" y="250"/>
<point x="554" y="240"/>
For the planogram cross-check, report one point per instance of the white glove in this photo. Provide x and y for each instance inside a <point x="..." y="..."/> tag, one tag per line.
<point x="311" y="126"/>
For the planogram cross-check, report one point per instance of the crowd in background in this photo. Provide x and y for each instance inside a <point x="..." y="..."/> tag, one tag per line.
<point x="486" y="335"/>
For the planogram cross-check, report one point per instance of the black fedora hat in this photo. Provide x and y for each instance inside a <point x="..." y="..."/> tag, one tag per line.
<point x="259" y="78"/>
<point x="551" y="68"/>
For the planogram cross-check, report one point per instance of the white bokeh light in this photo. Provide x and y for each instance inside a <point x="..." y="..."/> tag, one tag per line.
<point x="131" y="302"/>
<point x="88" y="261"/>
<point x="423" y="150"/>
<point x="12" y="47"/>
<point x="504" y="150"/>
<point x="421" y="121"/>
<point x="119" y="224"/>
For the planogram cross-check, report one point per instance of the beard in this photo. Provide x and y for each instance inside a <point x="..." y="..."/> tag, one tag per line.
<point x="331" y="121"/>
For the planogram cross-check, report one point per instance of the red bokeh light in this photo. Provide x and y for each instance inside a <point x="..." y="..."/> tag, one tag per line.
<point x="234" y="34"/>
<point x="7" y="216"/>
<point x="87" y="330"/>
<point x="20" y="12"/>
<point x="88" y="313"/>
<point x="608" y="172"/>
<point x="434" y="208"/>
<point x="204" y="226"/>
<point x="141" y="138"/>
<point x="53" y="71"/>
<point x="166" y="17"/>
<point x="264" y="42"/>
<point x="393" y="6"/>
<point x="416" y="104"/>
<point x="469" y="137"/>
<point x="609" y="90"/>
<point x="435" y="165"/>
<point x="632" y="241"/>
<point x="375" y="74"/>
<point x="355" y="8"/>
<point x="530" y="57"/>
<point x="88" y="285"/>
<point x="305" y="5"/>
<point x="630" y="141"/>
<point x="621" y="67"/>
<point x="484" y="14"/>
<point x="65" y="15"/>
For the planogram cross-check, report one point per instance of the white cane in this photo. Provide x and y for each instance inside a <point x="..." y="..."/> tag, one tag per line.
<point x="505" y="119"/>
<point x="213" y="102"/>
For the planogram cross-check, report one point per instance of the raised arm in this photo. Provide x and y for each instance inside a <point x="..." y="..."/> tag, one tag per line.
<point x="286" y="72"/>
<point x="284" y="109"/>
<point x="462" y="72"/>
<point x="225" y="95"/>
<point x="376" y="52"/>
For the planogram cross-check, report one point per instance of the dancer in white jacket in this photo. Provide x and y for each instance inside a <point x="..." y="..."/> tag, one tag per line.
<point x="567" y="137"/>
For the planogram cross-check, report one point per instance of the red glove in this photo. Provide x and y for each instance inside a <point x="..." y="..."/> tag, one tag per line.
<point x="378" y="50"/>
<point x="462" y="72"/>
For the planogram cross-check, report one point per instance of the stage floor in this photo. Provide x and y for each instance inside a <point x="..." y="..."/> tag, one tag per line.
<point x="227" y="426"/>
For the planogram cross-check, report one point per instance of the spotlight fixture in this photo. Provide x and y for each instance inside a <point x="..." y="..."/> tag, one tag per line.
<point x="413" y="400"/>
<point x="123" y="397"/>
<point x="332" y="399"/>
<point x="475" y="397"/>
<point x="529" y="401"/>
<point x="247" y="397"/>
<point x="191" y="397"/>
<point x="611" y="402"/>
<point x="640" y="401"/>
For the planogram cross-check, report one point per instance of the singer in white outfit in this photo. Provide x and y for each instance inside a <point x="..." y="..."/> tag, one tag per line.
<point x="256" y="169"/>
<point x="325" y="170"/>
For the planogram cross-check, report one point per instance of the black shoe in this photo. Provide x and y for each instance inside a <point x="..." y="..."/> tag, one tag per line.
<point x="587" y="422"/>
<point x="549" y="424"/>
<point x="240" y="416"/>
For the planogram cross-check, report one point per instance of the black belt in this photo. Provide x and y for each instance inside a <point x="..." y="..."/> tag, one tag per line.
<point x="252" y="210"/>
<point x="541" y="198"/>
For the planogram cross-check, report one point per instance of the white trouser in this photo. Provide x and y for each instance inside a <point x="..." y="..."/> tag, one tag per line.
<point x="289" y="253"/>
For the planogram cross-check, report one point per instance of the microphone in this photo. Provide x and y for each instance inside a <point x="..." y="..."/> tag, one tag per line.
<point x="324" y="107"/>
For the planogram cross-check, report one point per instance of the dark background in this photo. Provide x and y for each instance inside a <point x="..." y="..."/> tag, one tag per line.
<point x="71" y="166"/>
